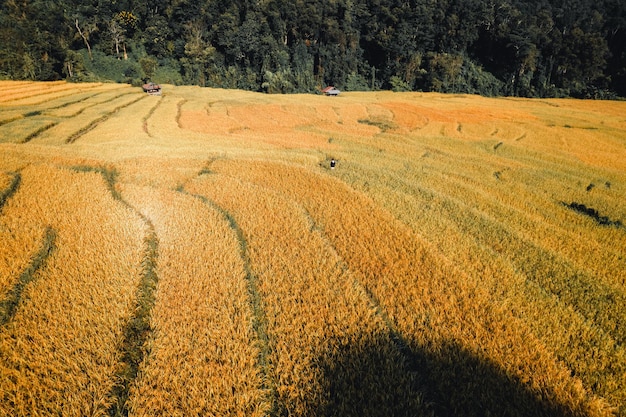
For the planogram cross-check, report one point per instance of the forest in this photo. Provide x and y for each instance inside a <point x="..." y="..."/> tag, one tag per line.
<point x="530" y="48"/>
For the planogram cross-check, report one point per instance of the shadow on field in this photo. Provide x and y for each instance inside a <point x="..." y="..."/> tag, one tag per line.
<point x="360" y="381"/>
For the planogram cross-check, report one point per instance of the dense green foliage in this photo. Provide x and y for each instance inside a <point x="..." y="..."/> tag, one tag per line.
<point x="491" y="47"/>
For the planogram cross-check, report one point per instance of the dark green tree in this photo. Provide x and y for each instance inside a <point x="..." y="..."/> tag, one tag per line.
<point x="525" y="48"/>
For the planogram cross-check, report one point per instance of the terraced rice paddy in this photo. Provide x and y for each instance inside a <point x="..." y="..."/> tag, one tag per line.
<point x="194" y="254"/>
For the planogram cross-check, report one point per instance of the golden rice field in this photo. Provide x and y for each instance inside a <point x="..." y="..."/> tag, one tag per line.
<point x="193" y="254"/>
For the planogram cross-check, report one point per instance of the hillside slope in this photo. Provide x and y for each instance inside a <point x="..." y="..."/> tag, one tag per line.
<point x="196" y="254"/>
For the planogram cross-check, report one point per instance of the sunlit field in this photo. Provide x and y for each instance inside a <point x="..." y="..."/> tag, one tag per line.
<point x="194" y="254"/>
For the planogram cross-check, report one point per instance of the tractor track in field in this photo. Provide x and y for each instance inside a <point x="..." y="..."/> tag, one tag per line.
<point x="98" y="103"/>
<point x="9" y="305"/>
<point x="399" y="341"/>
<point x="11" y="189"/>
<point x="412" y="361"/>
<point x="256" y="303"/>
<point x="64" y="91"/>
<point x="28" y="90"/>
<point x="147" y="117"/>
<point x="137" y="330"/>
<point x="260" y="321"/>
<point x="179" y="112"/>
<point x="94" y="123"/>
<point x="38" y="112"/>
<point x="38" y="132"/>
<point x="51" y="124"/>
<point x="11" y="119"/>
<point x="69" y="103"/>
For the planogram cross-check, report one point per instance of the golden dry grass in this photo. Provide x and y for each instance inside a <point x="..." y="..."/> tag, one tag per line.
<point x="314" y="308"/>
<point x="432" y="310"/>
<point x="60" y="350"/>
<point x="465" y="257"/>
<point x="39" y="93"/>
<point x="203" y="356"/>
<point x="24" y="120"/>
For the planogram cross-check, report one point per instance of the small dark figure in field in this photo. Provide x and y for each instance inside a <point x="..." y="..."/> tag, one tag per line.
<point x="332" y="164"/>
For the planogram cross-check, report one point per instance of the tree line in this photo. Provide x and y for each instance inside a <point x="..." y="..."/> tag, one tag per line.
<point x="532" y="48"/>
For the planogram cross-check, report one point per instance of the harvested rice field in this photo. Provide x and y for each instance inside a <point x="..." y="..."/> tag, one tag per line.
<point x="197" y="254"/>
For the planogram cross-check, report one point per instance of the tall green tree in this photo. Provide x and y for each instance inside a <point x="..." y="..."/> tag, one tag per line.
<point x="516" y="47"/>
